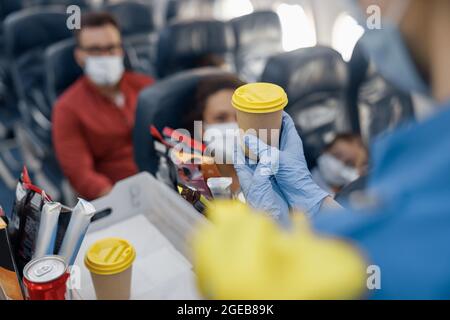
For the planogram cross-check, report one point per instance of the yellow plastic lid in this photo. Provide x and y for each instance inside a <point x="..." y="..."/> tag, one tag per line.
<point x="109" y="256"/>
<point x="259" y="97"/>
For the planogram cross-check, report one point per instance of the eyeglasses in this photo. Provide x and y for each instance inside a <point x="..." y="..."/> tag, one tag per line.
<point x="94" y="50"/>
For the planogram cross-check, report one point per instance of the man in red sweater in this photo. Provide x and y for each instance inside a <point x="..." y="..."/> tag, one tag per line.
<point x="94" y="118"/>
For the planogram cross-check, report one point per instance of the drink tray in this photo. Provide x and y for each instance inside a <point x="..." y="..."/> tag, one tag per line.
<point x="158" y="223"/>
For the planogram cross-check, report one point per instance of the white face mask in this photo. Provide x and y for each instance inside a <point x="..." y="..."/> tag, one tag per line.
<point x="220" y="140"/>
<point x="335" y="172"/>
<point x="104" y="70"/>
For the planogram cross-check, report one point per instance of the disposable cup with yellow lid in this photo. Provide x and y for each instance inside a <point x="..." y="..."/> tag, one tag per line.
<point x="259" y="109"/>
<point x="110" y="262"/>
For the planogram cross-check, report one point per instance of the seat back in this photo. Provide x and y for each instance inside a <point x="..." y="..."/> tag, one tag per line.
<point x="172" y="9"/>
<point x="376" y="105"/>
<point x="141" y="52"/>
<point x="34" y="28"/>
<point x="382" y="107"/>
<point x="258" y="36"/>
<point x="315" y="80"/>
<point x="61" y="69"/>
<point x="8" y="6"/>
<point x="134" y="17"/>
<point x="182" y="45"/>
<point x="27" y="34"/>
<point x="161" y="105"/>
<point x="33" y="3"/>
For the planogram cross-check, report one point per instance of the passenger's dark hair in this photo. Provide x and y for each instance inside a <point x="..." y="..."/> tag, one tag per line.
<point x="206" y="88"/>
<point x="209" y="60"/>
<point x="94" y="20"/>
<point x="347" y="137"/>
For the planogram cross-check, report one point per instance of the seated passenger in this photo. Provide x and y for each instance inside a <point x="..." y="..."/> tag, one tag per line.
<point x="93" y="119"/>
<point x="213" y="107"/>
<point x="341" y="163"/>
<point x="213" y="102"/>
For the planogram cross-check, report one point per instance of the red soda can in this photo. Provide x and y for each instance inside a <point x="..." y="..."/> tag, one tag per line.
<point x="45" y="278"/>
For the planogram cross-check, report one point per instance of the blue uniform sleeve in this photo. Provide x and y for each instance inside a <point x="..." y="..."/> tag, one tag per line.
<point x="405" y="228"/>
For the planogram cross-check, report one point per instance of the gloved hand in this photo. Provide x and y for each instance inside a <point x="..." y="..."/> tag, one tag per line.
<point x="289" y="167"/>
<point x="244" y="255"/>
<point x="259" y="187"/>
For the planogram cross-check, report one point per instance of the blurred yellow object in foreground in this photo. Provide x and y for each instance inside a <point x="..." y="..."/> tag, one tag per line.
<point x="245" y="255"/>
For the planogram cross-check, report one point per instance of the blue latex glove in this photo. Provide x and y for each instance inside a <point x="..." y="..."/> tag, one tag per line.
<point x="259" y="187"/>
<point x="289" y="167"/>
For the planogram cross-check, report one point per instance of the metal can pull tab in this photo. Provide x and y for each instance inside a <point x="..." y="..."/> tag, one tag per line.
<point x="43" y="270"/>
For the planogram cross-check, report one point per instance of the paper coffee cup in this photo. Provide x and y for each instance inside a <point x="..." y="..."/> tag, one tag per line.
<point x="110" y="262"/>
<point x="259" y="109"/>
